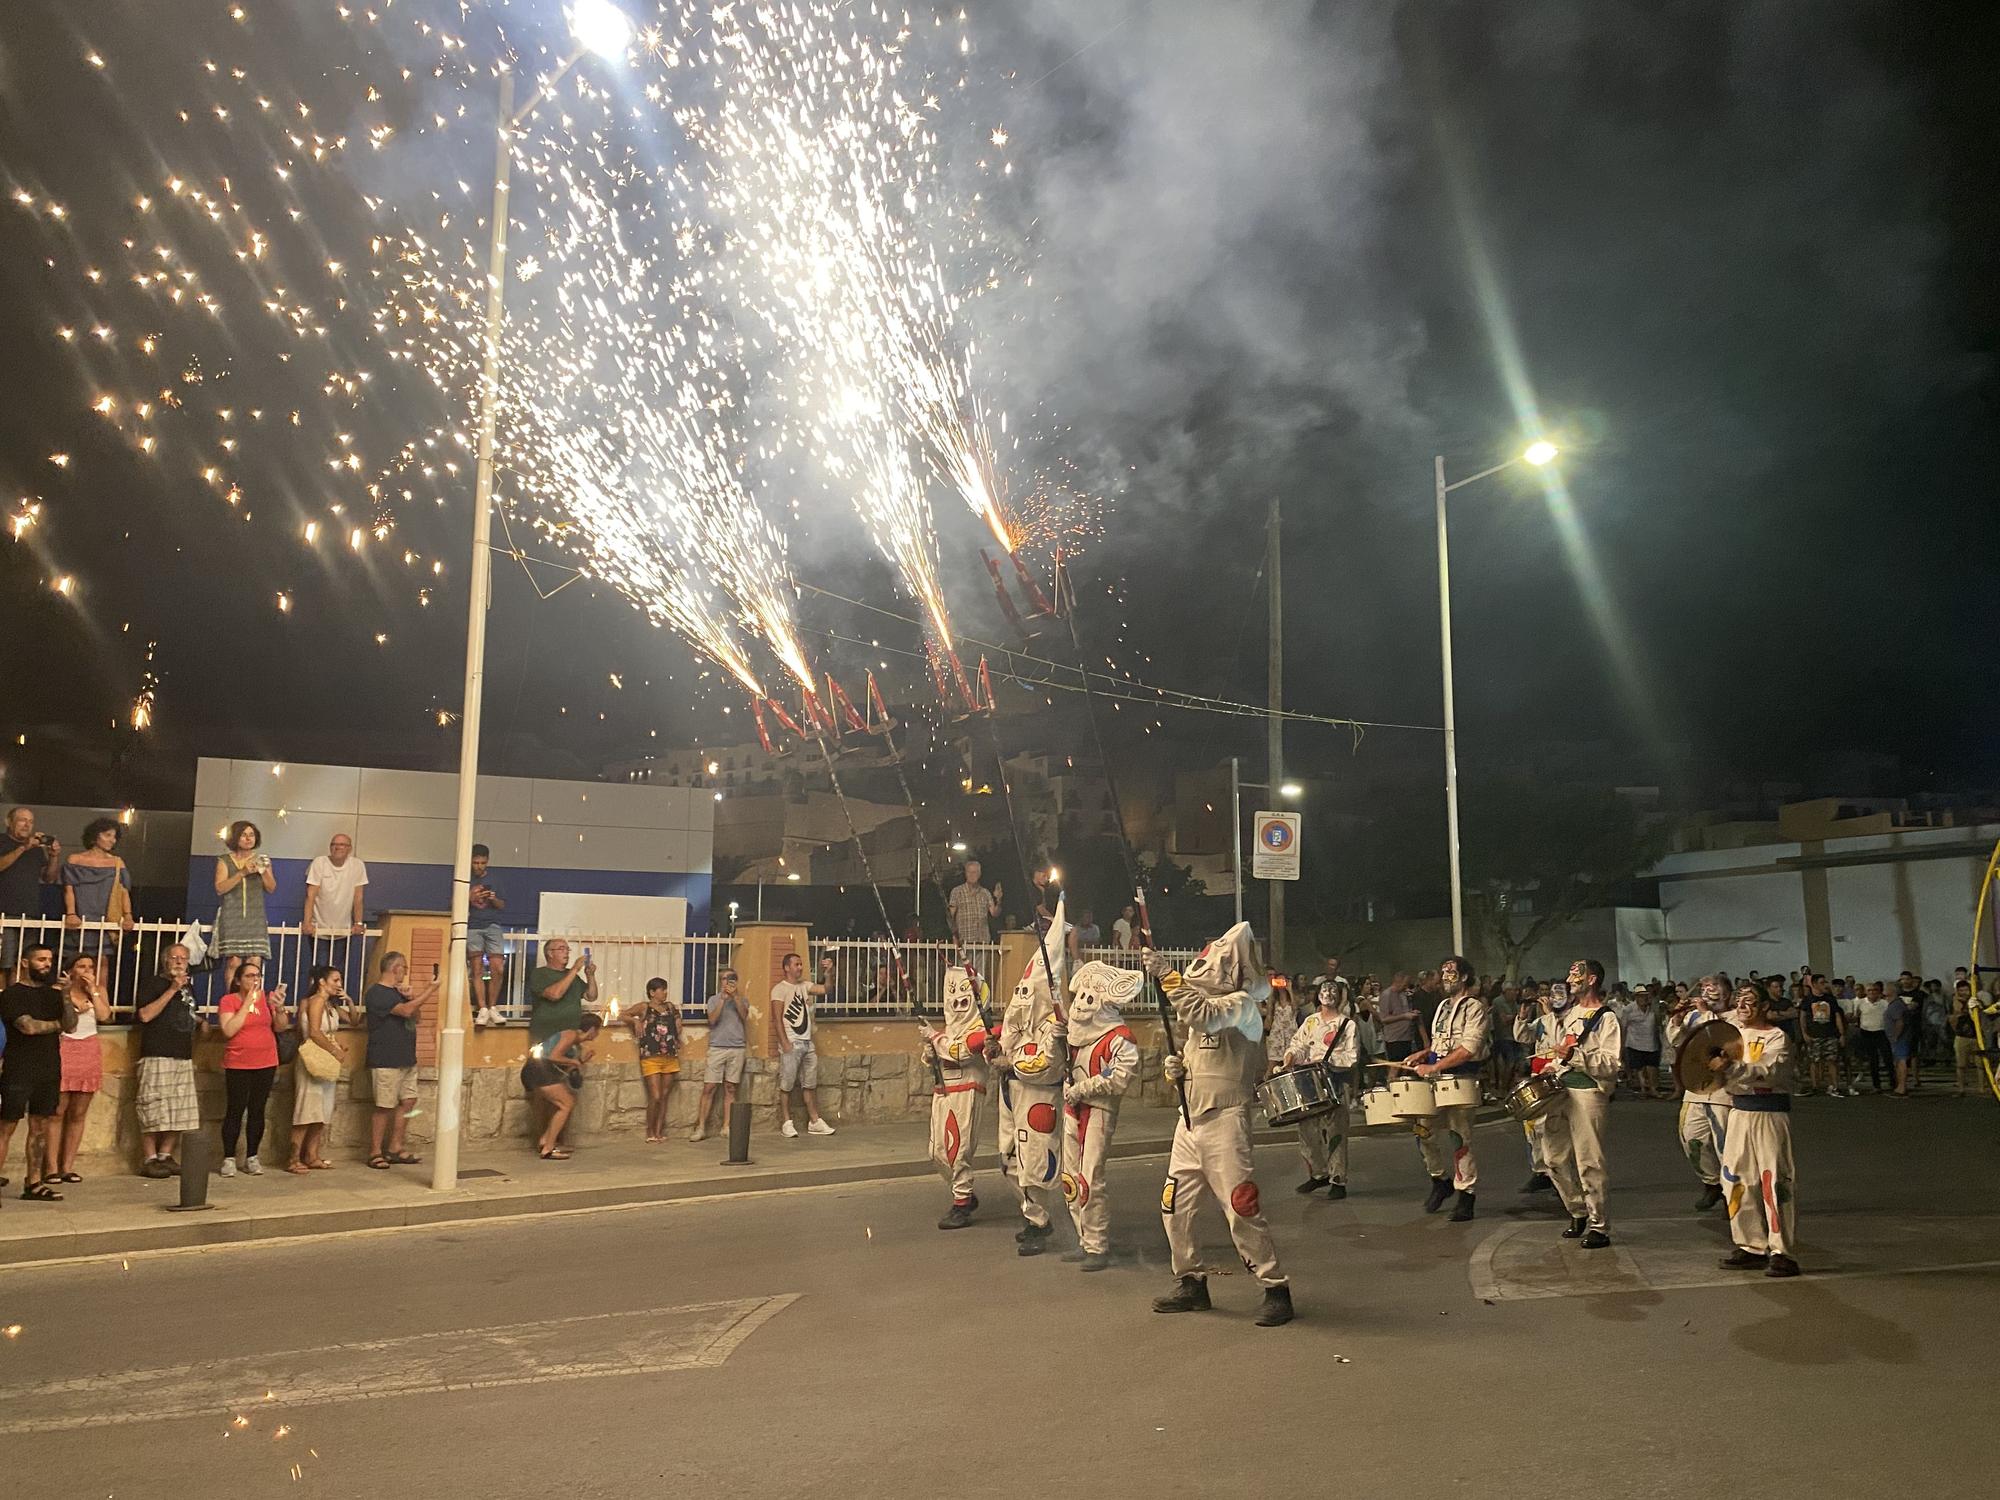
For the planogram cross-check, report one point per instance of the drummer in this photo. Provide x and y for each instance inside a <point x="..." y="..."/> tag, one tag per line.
<point x="1757" y="1072"/>
<point x="1539" y="1028"/>
<point x="1461" y="1037"/>
<point x="1705" y="1102"/>
<point x="1327" y="1037"/>
<point x="1589" y="1055"/>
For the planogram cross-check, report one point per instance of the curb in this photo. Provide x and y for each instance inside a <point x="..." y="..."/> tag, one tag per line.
<point x="209" y="1229"/>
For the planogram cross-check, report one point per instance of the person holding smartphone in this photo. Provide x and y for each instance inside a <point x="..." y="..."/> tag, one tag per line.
<point x="251" y="1021"/>
<point x="243" y="878"/>
<point x="28" y="861"/>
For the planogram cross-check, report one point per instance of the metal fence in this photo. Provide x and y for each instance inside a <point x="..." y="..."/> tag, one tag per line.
<point x="128" y="956"/>
<point x="626" y="964"/>
<point x="860" y="977"/>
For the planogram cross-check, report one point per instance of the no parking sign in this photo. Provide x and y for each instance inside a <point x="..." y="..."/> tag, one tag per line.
<point x="1277" y="852"/>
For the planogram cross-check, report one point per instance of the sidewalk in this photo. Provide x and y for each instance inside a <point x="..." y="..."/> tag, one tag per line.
<point x="111" y="1215"/>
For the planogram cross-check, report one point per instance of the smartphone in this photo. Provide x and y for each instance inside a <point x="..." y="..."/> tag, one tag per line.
<point x="586" y="953"/>
<point x="436" y="969"/>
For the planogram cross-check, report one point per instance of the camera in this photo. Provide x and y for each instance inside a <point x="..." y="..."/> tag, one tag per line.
<point x="43" y="840"/>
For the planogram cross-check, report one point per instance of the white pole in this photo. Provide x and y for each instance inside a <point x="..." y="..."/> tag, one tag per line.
<point x="1450" y="719"/>
<point x="1236" y="833"/>
<point x="451" y="1031"/>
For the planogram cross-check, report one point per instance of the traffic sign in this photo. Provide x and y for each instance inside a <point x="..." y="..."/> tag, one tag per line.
<point x="1276" y="856"/>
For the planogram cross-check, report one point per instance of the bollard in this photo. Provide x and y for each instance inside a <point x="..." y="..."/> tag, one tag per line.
<point x="196" y="1152"/>
<point x="739" y="1136"/>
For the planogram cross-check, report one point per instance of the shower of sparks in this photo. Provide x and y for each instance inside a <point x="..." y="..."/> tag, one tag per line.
<point x="735" y="306"/>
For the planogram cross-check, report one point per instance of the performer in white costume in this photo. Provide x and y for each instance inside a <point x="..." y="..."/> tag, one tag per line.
<point x="1589" y="1055"/>
<point x="1221" y="1061"/>
<point x="1539" y="1028"/>
<point x="1757" y="1154"/>
<point x="960" y="1051"/>
<point x="1030" y="1063"/>
<point x="1326" y="1036"/>
<point x="1103" y="1061"/>
<point x="1461" y="1039"/>
<point x="1704" y="1113"/>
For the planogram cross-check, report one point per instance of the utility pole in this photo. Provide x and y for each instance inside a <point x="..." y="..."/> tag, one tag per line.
<point x="1276" y="727"/>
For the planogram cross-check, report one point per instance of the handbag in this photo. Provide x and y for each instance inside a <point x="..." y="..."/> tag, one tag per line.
<point x="320" y="1063"/>
<point x="288" y="1047"/>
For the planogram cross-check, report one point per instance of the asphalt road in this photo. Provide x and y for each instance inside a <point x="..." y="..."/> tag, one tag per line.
<point x="832" y="1342"/>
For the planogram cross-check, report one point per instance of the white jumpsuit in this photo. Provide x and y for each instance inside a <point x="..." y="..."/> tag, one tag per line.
<point x="1330" y="1039"/>
<point x="1704" y="1116"/>
<point x="1573" y="1132"/>
<point x="960" y="1049"/>
<point x="1757" y="1167"/>
<point x="1031" y="1065"/>
<point x="1461" y="1021"/>
<point x="1103" y="1061"/>
<point x="1224" y="1061"/>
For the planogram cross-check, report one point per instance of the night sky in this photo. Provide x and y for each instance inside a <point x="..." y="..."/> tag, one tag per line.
<point x="1739" y="259"/>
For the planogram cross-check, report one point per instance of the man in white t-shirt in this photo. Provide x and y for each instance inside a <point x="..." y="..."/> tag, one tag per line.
<point x="798" y="1058"/>
<point x="334" y="883"/>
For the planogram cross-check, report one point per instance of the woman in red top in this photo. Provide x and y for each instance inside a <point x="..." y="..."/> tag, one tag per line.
<point x="251" y="1021"/>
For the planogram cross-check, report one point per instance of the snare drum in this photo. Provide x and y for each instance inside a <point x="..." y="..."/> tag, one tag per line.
<point x="1377" y="1108"/>
<point x="1414" y="1098"/>
<point x="1455" y="1090"/>
<point x="1299" y="1094"/>
<point x="1534" y="1096"/>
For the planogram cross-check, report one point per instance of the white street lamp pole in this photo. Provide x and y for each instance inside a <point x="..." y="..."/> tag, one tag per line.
<point x="599" y="27"/>
<point x="1537" y="454"/>
<point x="1236" y="833"/>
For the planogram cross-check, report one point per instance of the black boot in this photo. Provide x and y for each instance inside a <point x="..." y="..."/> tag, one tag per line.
<point x="1782" y="1265"/>
<point x="1538" y="1182"/>
<point x="1440" y="1190"/>
<point x="1072" y="1257"/>
<point x="1024" y="1246"/>
<point x="1576" y="1228"/>
<point x="1190" y="1296"/>
<point x="1096" y="1260"/>
<point x="1336" y="1192"/>
<point x="1740" y="1259"/>
<point x="1312" y="1184"/>
<point x="1036" y="1232"/>
<point x="1597" y="1239"/>
<point x="1463" y="1210"/>
<point x="956" y="1217"/>
<point x="1277" y="1308"/>
<point x="1711" y="1194"/>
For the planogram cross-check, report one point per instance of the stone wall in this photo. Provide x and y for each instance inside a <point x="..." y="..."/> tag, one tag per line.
<point x="869" y="1073"/>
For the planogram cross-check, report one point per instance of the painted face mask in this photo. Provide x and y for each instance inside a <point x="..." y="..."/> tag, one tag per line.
<point x="1098" y="995"/>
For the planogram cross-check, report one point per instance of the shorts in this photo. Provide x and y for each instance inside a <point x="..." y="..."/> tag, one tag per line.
<point x="393" y="1086"/>
<point x="725" y="1065"/>
<point x="652" y="1067"/>
<point x="492" y="940"/>
<point x="538" y="1073"/>
<point x="82" y="1064"/>
<point x="798" y="1068"/>
<point x="1964" y="1050"/>
<point x="1640" y="1061"/>
<point x="1822" y="1049"/>
<point x="167" y="1097"/>
<point x="38" y="1094"/>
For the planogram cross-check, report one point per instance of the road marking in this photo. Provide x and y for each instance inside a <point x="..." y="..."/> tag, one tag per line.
<point x="1671" y="1255"/>
<point x="645" y="1341"/>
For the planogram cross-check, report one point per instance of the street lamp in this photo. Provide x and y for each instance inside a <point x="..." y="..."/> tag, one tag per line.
<point x="1291" y="791"/>
<point x="1535" y="455"/>
<point x="600" y="28"/>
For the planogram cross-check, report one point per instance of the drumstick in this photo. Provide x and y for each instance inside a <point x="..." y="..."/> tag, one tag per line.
<point x="1385" y="1063"/>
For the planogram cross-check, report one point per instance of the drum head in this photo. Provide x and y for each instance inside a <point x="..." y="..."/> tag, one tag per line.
<point x="1697" y="1047"/>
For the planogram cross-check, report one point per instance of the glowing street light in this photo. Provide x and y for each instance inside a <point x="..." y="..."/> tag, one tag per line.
<point x="601" y="27"/>
<point x="1292" y="790"/>
<point x="1540" y="452"/>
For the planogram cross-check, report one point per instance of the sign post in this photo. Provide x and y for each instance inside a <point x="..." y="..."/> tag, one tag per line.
<point x="1276" y="856"/>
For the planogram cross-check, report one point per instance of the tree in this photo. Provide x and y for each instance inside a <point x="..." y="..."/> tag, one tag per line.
<point x="1547" y="853"/>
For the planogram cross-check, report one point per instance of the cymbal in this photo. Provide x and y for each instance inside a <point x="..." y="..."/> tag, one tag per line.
<point x="1697" y="1047"/>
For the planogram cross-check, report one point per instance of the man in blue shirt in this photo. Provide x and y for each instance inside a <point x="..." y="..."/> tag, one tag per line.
<point x="485" y="941"/>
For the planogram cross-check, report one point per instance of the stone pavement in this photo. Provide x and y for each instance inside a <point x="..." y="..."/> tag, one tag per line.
<point x="118" y="1213"/>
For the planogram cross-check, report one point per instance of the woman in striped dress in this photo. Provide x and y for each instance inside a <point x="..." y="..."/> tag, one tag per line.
<point x="243" y="879"/>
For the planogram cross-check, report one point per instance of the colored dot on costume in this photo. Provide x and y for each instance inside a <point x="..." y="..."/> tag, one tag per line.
<point x="1042" y="1117"/>
<point x="1167" y="1197"/>
<point x="1243" y="1198"/>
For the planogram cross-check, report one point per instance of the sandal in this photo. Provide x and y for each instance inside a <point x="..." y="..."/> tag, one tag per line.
<point x="41" y="1192"/>
<point x="68" y="1177"/>
<point x="298" y="1169"/>
<point x="379" y="1163"/>
<point x="404" y="1159"/>
<point x="321" y="1165"/>
<point x="555" y="1153"/>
